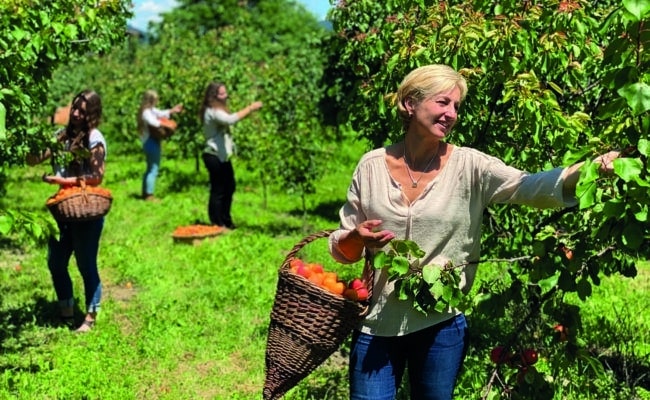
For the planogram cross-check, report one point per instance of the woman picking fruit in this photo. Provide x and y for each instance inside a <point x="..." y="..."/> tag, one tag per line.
<point x="149" y="117"/>
<point x="219" y="147"/>
<point x="434" y="193"/>
<point x="87" y="147"/>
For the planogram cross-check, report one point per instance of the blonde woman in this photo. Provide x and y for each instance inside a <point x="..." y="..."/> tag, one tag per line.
<point x="425" y="189"/>
<point x="149" y="117"/>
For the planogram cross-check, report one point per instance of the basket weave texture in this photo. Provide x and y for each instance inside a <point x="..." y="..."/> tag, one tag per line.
<point x="308" y="324"/>
<point x="84" y="204"/>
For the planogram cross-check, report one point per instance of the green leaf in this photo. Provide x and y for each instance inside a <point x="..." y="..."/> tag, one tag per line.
<point x="548" y="283"/>
<point x="6" y="223"/>
<point x="380" y="260"/>
<point x="637" y="96"/>
<point x="586" y="195"/>
<point x="431" y="273"/>
<point x="632" y="235"/>
<point x="638" y="8"/>
<point x="644" y="147"/>
<point x="3" y="119"/>
<point x="628" y="169"/>
<point x="583" y="288"/>
<point x="399" y="266"/>
<point x="437" y="289"/>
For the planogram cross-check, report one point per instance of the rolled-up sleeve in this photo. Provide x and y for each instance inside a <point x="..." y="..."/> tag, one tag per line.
<point x="540" y="190"/>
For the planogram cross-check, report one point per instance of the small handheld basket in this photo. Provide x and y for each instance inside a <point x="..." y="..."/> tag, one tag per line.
<point x="80" y="203"/>
<point x="308" y="324"/>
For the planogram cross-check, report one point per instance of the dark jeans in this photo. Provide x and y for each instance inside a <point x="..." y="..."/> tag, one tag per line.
<point x="82" y="239"/>
<point x="433" y="356"/>
<point x="222" y="188"/>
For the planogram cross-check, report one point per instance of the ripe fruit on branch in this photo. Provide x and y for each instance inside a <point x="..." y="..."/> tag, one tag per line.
<point x="563" y="332"/>
<point x="498" y="355"/>
<point x="529" y="356"/>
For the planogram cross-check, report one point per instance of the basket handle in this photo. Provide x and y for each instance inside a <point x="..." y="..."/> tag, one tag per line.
<point x="367" y="275"/>
<point x="82" y="185"/>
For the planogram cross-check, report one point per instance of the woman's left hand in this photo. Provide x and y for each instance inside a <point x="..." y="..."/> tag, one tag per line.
<point x="606" y="161"/>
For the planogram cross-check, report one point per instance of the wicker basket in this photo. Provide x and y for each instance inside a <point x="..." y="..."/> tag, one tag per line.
<point x="85" y="204"/>
<point x="308" y="324"/>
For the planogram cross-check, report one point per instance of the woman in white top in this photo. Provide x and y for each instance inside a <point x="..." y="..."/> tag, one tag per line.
<point x="86" y="144"/>
<point x="149" y="116"/>
<point x="219" y="147"/>
<point x="434" y="193"/>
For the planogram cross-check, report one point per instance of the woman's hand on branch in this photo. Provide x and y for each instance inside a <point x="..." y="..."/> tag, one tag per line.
<point x="606" y="161"/>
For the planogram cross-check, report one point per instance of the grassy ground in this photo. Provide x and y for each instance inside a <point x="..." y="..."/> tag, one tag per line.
<point x="183" y="321"/>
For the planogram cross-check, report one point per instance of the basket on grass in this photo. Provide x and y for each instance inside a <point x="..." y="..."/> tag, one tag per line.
<point x="308" y="324"/>
<point x="195" y="233"/>
<point x="80" y="203"/>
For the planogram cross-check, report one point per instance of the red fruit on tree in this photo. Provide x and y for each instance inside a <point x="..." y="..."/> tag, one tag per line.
<point x="563" y="331"/>
<point x="499" y="356"/>
<point x="529" y="356"/>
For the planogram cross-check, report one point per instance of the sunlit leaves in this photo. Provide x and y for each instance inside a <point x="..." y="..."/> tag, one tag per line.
<point x="429" y="287"/>
<point x="639" y="9"/>
<point x="637" y="96"/>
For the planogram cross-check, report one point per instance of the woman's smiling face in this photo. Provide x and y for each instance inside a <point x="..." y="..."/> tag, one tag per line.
<point x="436" y="115"/>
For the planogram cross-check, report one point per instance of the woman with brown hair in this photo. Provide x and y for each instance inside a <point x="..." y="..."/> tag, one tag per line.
<point x="219" y="147"/>
<point x="86" y="149"/>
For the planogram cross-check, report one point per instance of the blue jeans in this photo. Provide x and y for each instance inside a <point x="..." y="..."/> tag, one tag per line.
<point x="152" y="151"/>
<point x="433" y="356"/>
<point x="82" y="239"/>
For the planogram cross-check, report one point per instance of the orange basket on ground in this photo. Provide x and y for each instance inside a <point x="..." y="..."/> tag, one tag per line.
<point x="80" y="203"/>
<point x="308" y="324"/>
<point x="194" y="234"/>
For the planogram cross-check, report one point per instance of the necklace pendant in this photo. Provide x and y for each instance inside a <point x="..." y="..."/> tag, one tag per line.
<point x="414" y="185"/>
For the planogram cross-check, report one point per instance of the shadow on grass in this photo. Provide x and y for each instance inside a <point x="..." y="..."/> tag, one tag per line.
<point x="41" y="313"/>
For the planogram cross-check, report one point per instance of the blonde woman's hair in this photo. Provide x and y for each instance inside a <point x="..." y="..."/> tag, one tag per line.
<point x="425" y="82"/>
<point x="149" y="99"/>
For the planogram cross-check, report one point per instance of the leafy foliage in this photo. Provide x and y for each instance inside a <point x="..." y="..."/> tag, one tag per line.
<point x="268" y="51"/>
<point x="40" y="36"/>
<point x="429" y="287"/>
<point x="550" y="84"/>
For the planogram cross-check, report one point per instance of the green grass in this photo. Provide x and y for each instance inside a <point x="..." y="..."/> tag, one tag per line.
<point x="182" y="321"/>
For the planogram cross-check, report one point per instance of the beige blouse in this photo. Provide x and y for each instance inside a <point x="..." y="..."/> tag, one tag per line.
<point x="445" y="221"/>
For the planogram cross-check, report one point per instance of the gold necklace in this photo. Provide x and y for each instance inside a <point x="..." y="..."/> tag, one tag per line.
<point x="414" y="182"/>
